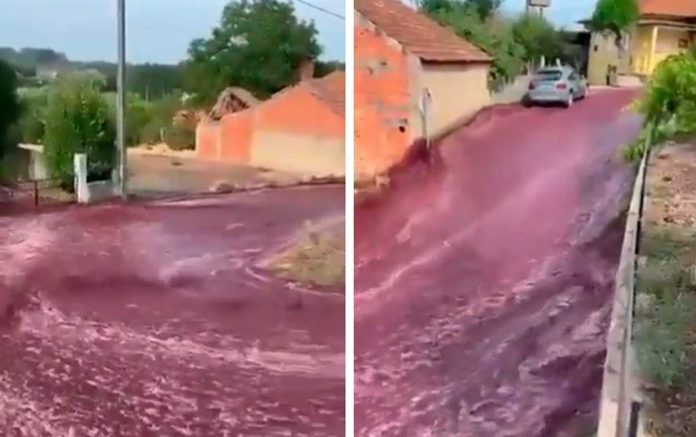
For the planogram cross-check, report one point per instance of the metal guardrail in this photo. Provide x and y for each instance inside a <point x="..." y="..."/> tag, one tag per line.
<point x="620" y="404"/>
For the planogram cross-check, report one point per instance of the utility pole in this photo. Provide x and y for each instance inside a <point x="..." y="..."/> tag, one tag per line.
<point x="121" y="174"/>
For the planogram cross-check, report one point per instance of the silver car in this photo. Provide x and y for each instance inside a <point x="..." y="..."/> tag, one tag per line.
<point x="561" y="85"/>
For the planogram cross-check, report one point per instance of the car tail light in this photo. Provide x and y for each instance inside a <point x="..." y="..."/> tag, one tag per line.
<point x="561" y="86"/>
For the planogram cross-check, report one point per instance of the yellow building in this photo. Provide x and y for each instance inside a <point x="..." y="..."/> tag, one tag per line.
<point x="665" y="27"/>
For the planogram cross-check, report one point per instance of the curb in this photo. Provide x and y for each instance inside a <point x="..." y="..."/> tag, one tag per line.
<point x="620" y="397"/>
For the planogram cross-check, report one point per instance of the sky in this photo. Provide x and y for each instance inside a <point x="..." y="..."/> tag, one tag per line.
<point x="158" y="30"/>
<point x="161" y="30"/>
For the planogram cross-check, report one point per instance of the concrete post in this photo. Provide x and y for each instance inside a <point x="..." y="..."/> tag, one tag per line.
<point x="81" y="190"/>
<point x="122" y="183"/>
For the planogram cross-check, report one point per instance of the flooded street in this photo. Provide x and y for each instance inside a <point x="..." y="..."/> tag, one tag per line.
<point x="153" y="319"/>
<point x="484" y="282"/>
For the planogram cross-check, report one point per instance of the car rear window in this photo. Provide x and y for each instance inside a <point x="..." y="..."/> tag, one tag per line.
<point x="549" y="75"/>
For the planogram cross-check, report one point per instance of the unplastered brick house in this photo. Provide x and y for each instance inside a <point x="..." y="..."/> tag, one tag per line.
<point x="300" y="129"/>
<point x="413" y="78"/>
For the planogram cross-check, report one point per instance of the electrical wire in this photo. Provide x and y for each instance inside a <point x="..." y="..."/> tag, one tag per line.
<point x="320" y="9"/>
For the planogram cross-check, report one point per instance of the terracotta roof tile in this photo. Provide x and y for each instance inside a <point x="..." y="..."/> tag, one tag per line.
<point x="669" y="8"/>
<point x="331" y="90"/>
<point x="421" y="35"/>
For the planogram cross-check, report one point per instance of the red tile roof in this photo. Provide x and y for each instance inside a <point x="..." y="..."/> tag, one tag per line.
<point x="669" y="8"/>
<point x="331" y="90"/>
<point x="418" y="33"/>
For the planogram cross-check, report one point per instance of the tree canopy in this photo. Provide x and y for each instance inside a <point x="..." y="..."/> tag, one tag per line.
<point x="538" y="38"/>
<point x="484" y="8"/>
<point x="615" y="16"/>
<point x="492" y="35"/>
<point x="258" y="45"/>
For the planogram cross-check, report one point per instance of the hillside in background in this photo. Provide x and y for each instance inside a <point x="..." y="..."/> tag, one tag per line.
<point x="149" y="81"/>
<point x="36" y="65"/>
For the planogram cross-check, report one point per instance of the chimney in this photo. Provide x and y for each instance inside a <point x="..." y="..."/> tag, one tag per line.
<point x="306" y="70"/>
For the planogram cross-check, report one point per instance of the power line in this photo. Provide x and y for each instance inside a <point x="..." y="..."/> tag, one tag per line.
<point x="320" y="9"/>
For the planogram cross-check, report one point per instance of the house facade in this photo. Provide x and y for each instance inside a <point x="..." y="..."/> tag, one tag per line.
<point x="665" y="28"/>
<point x="413" y="79"/>
<point x="300" y="129"/>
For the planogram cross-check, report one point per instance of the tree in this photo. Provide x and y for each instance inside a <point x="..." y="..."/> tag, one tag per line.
<point x="78" y="120"/>
<point x="484" y="8"/>
<point x="437" y="7"/>
<point x="615" y="16"/>
<point x="538" y="37"/>
<point x="324" y="68"/>
<point x="493" y="35"/>
<point x="258" y="45"/>
<point x="10" y="108"/>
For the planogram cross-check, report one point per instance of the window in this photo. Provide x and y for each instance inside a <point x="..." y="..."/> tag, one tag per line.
<point x="549" y="75"/>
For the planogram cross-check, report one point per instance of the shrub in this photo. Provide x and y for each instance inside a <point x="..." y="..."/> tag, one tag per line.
<point x="181" y="137"/>
<point x="31" y="124"/>
<point x="78" y="120"/>
<point x="668" y="104"/>
<point x="160" y="116"/>
<point x="493" y="36"/>
<point x="138" y="116"/>
<point x="10" y="108"/>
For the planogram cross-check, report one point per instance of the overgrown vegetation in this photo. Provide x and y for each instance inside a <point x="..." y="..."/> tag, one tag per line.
<point x="615" y="16"/>
<point x="318" y="259"/>
<point x="514" y="43"/>
<point x="78" y="119"/>
<point x="9" y="107"/>
<point x="665" y="309"/>
<point x="668" y="104"/>
<point x="258" y="45"/>
<point x="665" y="316"/>
<point x="147" y="122"/>
<point x="665" y="335"/>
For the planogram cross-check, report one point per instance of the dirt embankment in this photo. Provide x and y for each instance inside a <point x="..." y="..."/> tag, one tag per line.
<point x="666" y="299"/>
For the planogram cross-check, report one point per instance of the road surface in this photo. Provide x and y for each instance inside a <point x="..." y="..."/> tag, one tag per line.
<point x="153" y="320"/>
<point x="483" y="283"/>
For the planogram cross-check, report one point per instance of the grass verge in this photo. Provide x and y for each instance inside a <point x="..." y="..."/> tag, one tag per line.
<point x="665" y="331"/>
<point x="316" y="259"/>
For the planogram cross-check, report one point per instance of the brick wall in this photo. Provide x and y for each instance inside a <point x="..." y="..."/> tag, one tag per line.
<point x="297" y="132"/>
<point x="293" y="131"/>
<point x="382" y="100"/>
